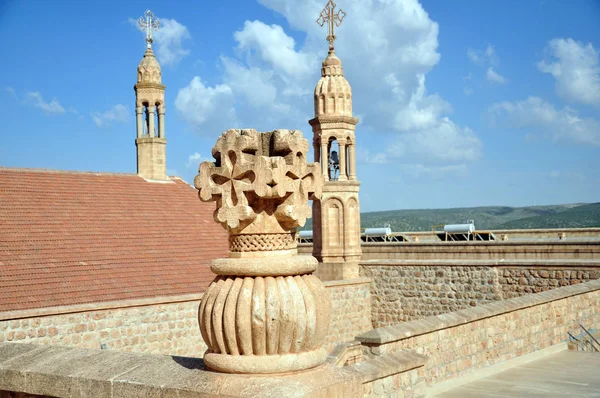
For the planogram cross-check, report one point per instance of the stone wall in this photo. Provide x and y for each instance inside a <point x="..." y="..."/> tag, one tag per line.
<point x="350" y="309"/>
<point x="461" y="343"/>
<point x="135" y="325"/>
<point x="516" y="282"/>
<point x="162" y="326"/>
<point x="404" y="290"/>
<point x="403" y="293"/>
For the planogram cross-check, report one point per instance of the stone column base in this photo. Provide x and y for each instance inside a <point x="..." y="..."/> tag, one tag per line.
<point x="264" y="363"/>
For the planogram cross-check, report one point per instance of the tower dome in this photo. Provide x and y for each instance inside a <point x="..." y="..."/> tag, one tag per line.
<point x="149" y="69"/>
<point x="333" y="95"/>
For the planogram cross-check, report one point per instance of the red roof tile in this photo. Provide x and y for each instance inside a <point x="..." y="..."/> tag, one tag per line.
<point x="73" y="237"/>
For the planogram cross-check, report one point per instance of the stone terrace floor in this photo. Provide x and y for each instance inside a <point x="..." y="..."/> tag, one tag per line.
<point x="564" y="374"/>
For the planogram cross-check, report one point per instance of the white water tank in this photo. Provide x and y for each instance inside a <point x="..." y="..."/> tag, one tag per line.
<point x="459" y="228"/>
<point x="370" y="232"/>
<point x="306" y="234"/>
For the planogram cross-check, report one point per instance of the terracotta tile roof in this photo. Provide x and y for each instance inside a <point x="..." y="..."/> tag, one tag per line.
<point x="75" y="237"/>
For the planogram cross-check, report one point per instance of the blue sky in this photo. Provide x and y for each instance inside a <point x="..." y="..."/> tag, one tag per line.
<point x="462" y="103"/>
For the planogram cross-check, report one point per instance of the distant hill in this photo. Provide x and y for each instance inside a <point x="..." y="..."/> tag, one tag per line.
<point x="584" y="216"/>
<point x="579" y="215"/>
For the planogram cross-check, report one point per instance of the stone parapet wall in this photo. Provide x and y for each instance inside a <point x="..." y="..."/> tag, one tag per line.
<point x="408" y="290"/>
<point x="135" y="325"/>
<point x="350" y="309"/>
<point x="162" y="325"/>
<point x="29" y="370"/>
<point x="572" y="249"/>
<point x="460" y="343"/>
<point x="495" y="250"/>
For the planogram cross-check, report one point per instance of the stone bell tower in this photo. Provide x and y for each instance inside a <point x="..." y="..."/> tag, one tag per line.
<point x="336" y="216"/>
<point x="150" y="110"/>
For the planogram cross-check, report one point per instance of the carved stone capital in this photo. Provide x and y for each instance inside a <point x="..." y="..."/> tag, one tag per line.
<point x="260" y="181"/>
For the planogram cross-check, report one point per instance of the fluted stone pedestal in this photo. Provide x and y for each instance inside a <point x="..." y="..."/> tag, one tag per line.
<point x="266" y="323"/>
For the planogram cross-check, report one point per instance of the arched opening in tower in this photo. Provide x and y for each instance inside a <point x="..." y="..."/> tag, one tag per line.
<point x="146" y="114"/>
<point x="155" y="133"/>
<point x="334" y="159"/>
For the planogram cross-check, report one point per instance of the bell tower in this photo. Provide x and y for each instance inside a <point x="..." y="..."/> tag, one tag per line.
<point x="150" y="109"/>
<point x="336" y="216"/>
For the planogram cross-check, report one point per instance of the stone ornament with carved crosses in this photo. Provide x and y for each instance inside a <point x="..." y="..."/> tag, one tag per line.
<point x="260" y="181"/>
<point x="265" y="312"/>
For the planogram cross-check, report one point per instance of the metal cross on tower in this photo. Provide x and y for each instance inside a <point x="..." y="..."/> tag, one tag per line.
<point x="148" y="22"/>
<point x="333" y="19"/>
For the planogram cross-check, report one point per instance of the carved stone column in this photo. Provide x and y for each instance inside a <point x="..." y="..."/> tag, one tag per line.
<point x="265" y="312"/>
<point x="324" y="159"/>
<point x="342" y="148"/>
<point x="151" y="110"/>
<point x="139" y="121"/>
<point x="161" y="121"/>
<point x="352" y="161"/>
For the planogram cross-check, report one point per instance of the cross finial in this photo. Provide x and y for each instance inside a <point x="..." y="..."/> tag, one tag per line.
<point x="333" y="19"/>
<point x="148" y="22"/>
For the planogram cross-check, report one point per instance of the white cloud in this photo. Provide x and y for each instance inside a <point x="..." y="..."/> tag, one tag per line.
<point x="274" y="47"/>
<point x="269" y="82"/>
<point x="535" y="113"/>
<point x="474" y="56"/>
<point x="489" y="58"/>
<point x="252" y="83"/>
<point x="445" y="143"/>
<point x="209" y="110"/>
<point x="169" y="41"/>
<point x="576" y="69"/>
<point x="429" y="136"/>
<point x="194" y="159"/>
<point x="386" y="64"/>
<point x="363" y="155"/>
<point x="422" y="111"/>
<point x="495" y="77"/>
<point x="483" y="57"/>
<point x="116" y="114"/>
<point x="36" y="99"/>
<point x="11" y="91"/>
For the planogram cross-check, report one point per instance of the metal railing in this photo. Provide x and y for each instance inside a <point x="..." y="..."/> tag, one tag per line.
<point x="585" y="341"/>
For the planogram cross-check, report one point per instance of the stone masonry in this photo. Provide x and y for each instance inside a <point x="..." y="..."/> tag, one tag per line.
<point x="463" y="342"/>
<point x="169" y="328"/>
<point x="350" y="310"/>
<point x="402" y="292"/>
<point x="158" y="329"/>
<point x="516" y="282"/>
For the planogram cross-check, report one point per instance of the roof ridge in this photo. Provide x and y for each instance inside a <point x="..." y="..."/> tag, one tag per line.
<point x="43" y="170"/>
